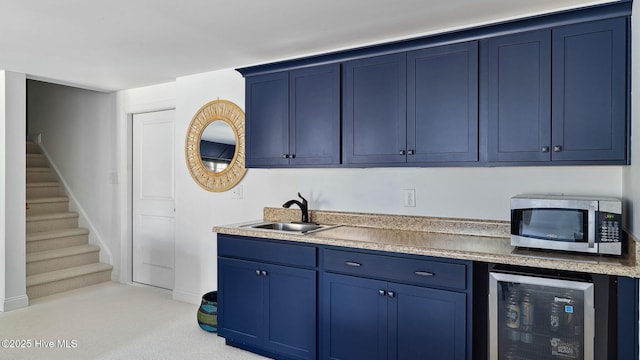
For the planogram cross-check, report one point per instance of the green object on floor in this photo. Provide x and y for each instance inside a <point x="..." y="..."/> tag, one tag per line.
<point x="208" y="312"/>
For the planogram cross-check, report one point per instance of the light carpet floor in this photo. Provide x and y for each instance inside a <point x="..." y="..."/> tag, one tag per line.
<point x="110" y="321"/>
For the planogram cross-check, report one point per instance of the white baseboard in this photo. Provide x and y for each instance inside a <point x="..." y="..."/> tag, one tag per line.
<point x="187" y="297"/>
<point x="115" y="275"/>
<point x="13" y="303"/>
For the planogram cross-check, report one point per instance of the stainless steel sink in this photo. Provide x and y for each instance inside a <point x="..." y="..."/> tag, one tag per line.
<point x="295" y="227"/>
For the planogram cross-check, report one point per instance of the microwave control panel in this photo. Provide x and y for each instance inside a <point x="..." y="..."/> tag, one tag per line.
<point x="609" y="228"/>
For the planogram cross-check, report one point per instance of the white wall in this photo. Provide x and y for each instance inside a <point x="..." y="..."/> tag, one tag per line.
<point x="78" y="133"/>
<point x="631" y="174"/>
<point x="12" y="191"/>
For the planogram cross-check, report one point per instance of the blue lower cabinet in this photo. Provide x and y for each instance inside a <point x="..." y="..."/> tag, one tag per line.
<point x="355" y="318"/>
<point x="373" y="319"/>
<point x="268" y="308"/>
<point x="428" y="323"/>
<point x="238" y="289"/>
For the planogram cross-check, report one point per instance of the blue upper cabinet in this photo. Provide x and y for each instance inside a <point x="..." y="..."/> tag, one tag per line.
<point x="314" y="130"/>
<point x="293" y="118"/>
<point x="442" y="103"/>
<point x="590" y="91"/>
<point x="374" y="110"/>
<point x="416" y="107"/>
<point x="517" y="87"/>
<point x="558" y="95"/>
<point x="543" y="90"/>
<point x="267" y="120"/>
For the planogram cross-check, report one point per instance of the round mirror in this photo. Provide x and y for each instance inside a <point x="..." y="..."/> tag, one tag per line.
<point x="215" y="146"/>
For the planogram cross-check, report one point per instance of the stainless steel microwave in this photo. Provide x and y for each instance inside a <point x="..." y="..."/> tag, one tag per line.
<point x="568" y="223"/>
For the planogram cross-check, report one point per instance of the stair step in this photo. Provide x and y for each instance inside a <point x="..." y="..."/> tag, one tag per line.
<point x="58" y="259"/>
<point x="39" y="174"/>
<point x="32" y="148"/>
<point x="53" y="282"/>
<point x="36" y="160"/>
<point x="43" y="189"/>
<point x="56" y="204"/>
<point x="59" y="256"/>
<point x="56" y="239"/>
<point x="54" y="221"/>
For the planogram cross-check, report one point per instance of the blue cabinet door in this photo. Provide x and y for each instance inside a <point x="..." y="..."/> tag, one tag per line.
<point x="354" y="318"/>
<point x="590" y="91"/>
<point x="427" y="323"/>
<point x="267" y="119"/>
<point x="290" y="321"/>
<point x="240" y="291"/>
<point x="268" y="307"/>
<point x="517" y="89"/>
<point x="374" y="110"/>
<point x="315" y="115"/>
<point x="373" y="319"/>
<point x="442" y="103"/>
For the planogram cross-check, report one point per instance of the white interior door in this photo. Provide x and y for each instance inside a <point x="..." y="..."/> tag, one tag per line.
<point x="153" y="199"/>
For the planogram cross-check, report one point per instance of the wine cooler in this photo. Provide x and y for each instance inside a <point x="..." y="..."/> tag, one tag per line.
<point x="538" y="317"/>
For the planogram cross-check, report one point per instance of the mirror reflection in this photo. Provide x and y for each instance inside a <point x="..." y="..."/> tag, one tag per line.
<point x="217" y="146"/>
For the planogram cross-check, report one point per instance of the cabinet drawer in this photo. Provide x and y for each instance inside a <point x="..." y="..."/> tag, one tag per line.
<point x="421" y="272"/>
<point x="266" y="251"/>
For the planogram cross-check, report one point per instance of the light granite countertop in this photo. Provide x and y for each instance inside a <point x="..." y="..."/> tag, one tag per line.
<point x="477" y="240"/>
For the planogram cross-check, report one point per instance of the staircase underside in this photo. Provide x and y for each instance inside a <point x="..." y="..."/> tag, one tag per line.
<point x="59" y="256"/>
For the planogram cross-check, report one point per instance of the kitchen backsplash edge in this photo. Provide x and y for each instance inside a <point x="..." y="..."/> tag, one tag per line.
<point x="492" y="228"/>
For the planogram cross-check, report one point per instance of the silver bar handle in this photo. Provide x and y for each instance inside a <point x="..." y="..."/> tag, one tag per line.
<point x="591" y="218"/>
<point x="424" y="273"/>
<point x="352" y="263"/>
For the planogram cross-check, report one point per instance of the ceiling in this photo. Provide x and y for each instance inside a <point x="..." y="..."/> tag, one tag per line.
<point x="110" y="45"/>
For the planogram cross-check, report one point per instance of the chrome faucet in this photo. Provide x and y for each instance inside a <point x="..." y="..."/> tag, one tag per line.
<point x="304" y="207"/>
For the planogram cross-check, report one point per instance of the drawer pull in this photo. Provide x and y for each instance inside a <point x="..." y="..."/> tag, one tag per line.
<point x="352" y="263"/>
<point x="424" y="273"/>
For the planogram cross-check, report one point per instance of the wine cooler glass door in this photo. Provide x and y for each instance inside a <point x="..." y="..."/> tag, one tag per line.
<point x="540" y="318"/>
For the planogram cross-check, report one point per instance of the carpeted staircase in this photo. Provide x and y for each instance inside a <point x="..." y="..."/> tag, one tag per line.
<point x="59" y="256"/>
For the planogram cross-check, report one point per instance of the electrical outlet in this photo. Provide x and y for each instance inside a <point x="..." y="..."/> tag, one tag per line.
<point x="409" y="197"/>
<point x="237" y="192"/>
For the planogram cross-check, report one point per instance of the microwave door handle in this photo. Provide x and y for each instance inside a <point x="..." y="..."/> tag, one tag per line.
<point x="591" y="230"/>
